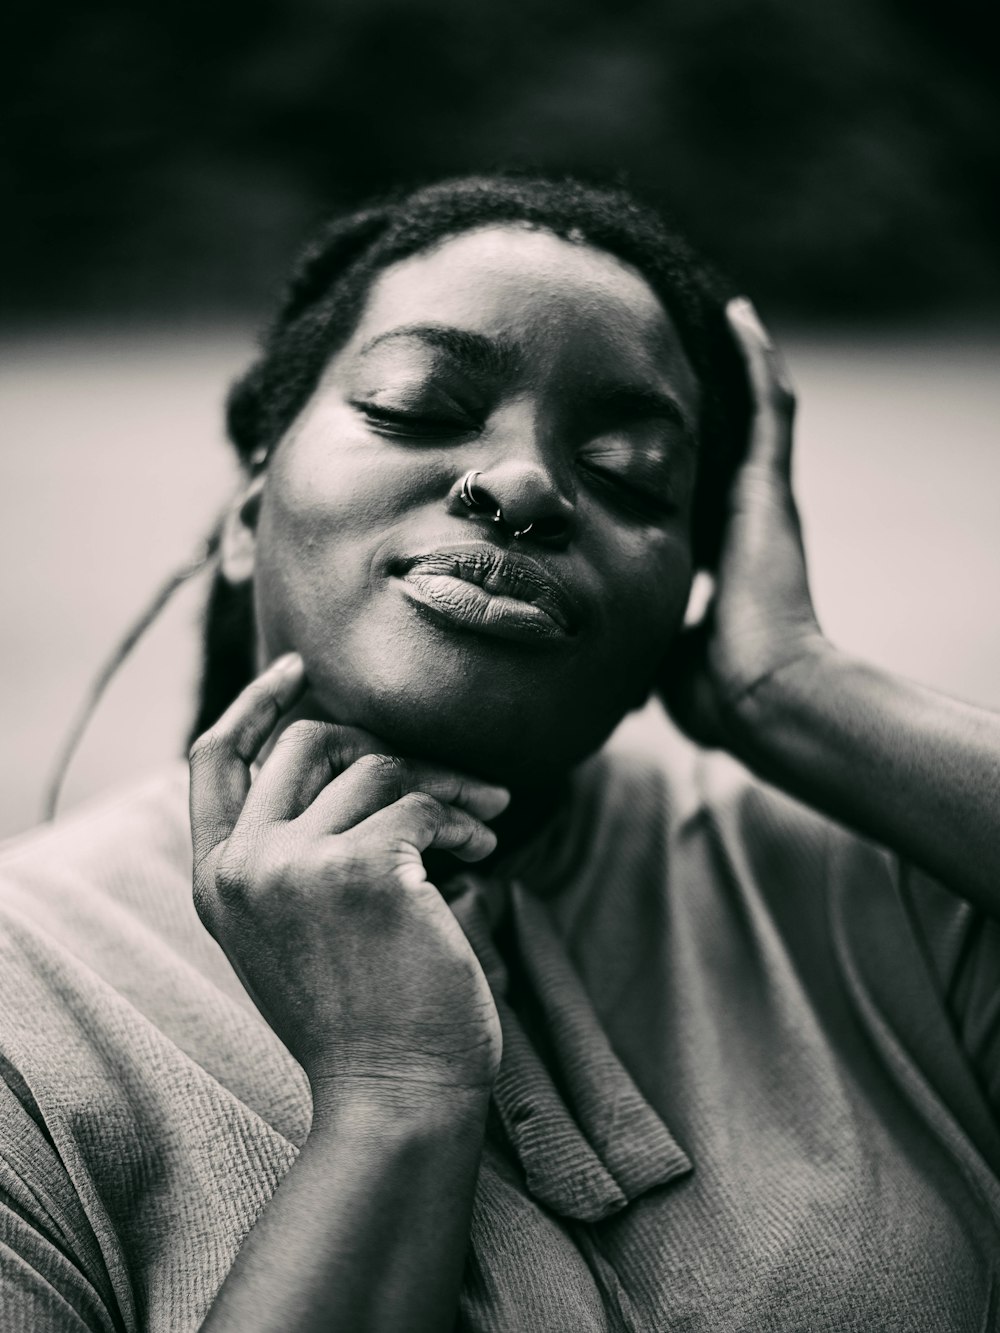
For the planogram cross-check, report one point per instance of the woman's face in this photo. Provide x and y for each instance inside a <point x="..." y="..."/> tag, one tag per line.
<point x="552" y="370"/>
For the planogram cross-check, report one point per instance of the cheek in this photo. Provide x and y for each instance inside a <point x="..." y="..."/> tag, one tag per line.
<point x="333" y="494"/>
<point x="326" y="484"/>
<point x="336" y="510"/>
<point x="653" y="582"/>
<point x="317" y="510"/>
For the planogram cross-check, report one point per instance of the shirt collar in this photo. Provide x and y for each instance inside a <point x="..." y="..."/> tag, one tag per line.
<point x="586" y="1138"/>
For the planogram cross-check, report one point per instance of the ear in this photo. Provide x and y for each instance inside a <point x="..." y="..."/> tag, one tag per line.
<point x="700" y="597"/>
<point x="238" y="547"/>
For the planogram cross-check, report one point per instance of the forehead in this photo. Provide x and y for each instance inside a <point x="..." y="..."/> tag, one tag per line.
<point x="552" y="297"/>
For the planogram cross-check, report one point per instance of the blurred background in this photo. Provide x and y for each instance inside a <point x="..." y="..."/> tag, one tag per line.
<point x="162" y="163"/>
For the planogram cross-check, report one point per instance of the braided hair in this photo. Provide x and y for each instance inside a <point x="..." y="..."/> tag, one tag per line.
<point x="324" y="299"/>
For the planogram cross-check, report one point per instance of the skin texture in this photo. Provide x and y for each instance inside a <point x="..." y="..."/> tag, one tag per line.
<point x="347" y="495"/>
<point x="311" y="879"/>
<point x="313" y="876"/>
<point x="912" y="769"/>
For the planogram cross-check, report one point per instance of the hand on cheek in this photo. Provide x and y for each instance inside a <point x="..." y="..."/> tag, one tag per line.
<point x="760" y="618"/>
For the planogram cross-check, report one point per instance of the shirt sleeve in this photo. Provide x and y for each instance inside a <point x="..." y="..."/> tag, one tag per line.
<point x="787" y="846"/>
<point x="51" y="1278"/>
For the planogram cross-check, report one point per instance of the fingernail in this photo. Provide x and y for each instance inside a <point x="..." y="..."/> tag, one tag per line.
<point x="288" y="664"/>
<point x="498" y="799"/>
<point x="288" y="676"/>
<point x="744" y="309"/>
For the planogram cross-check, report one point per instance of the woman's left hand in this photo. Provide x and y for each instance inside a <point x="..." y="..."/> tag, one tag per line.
<point x="905" y="766"/>
<point x="760" y="619"/>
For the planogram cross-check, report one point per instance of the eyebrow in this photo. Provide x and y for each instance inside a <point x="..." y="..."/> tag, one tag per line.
<point x="496" y="355"/>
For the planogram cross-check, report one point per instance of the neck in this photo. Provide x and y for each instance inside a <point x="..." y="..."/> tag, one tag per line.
<point x="533" y="802"/>
<point x="530" y="809"/>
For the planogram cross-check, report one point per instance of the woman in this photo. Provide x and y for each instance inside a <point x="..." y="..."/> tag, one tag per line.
<point x="669" y="1049"/>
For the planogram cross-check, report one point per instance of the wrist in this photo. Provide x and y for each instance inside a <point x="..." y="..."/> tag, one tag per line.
<point x="373" y="1106"/>
<point x="763" y="718"/>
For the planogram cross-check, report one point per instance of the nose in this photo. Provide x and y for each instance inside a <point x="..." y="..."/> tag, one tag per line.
<point x="522" y="497"/>
<point x="523" y="502"/>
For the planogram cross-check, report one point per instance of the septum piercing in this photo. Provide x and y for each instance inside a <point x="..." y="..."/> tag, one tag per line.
<point x="470" y="500"/>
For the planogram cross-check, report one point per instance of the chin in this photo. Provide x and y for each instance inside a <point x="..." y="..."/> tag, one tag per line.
<point x="519" y="738"/>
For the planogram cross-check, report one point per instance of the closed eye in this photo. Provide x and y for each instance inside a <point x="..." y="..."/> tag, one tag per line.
<point x="416" y="424"/>
<point x="644" y="500"/>
<point x="645" y="477"/>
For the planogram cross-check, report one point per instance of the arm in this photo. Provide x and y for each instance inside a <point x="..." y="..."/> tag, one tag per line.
<point x="369" y="1228"/>
<point x="914" y="770"/>
<point x="312" y="881"/>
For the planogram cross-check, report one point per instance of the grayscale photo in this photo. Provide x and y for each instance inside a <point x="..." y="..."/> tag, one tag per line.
<point x="500" y="785"/>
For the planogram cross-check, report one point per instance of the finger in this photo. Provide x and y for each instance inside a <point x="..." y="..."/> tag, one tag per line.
<point x="328" y="777"/>
<point x="772" y="396"/>
<point x="418" y="822"/>
<point x="378" y="780"/>
<point x="307" y="756"/>
<point x="221" y="757"/>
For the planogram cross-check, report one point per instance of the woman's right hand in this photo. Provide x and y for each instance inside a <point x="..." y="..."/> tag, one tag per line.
<point x="310" y="877"/>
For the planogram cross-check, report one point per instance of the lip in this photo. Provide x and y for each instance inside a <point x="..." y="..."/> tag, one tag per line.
<point x="486" y="588"/>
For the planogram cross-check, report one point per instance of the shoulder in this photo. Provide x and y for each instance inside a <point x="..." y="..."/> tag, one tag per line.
<point x="99" y="902"/>
<point x="123" y="829"/>
<point x="105" y="965"/>
<point x="128" y="849"/>
<point x="717" y="854"/>
<point x="144" y="1102"/>
<point x="661" y="827"/>
<point x="652" y="774"/>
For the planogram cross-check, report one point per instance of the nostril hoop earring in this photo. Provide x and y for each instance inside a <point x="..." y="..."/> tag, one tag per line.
<point x="472" y="501"/>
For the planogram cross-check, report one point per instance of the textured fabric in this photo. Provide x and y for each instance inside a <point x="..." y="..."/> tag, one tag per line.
<point x="590" y="1158"/>
<point x="749" y="1076"/>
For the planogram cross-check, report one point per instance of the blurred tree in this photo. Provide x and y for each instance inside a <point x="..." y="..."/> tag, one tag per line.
<point x="168" y="158"/>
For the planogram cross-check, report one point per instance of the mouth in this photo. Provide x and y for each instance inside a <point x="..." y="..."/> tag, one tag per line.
<point x="483" y="588"/>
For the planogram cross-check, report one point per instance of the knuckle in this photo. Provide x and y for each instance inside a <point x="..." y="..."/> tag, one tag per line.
<point x="385" y="768"/>
<point x="232" y="881"/>
<point x="303" y="733"/>
<point x="338" y="753"/>
<point x="383" y="775"/>
<point x="243" y="885"/>
<point x="205" y="747"/>
<point x="465" y="828"/>
<point x="378" y="763"/>
<point x="342" y="746"/>
<point x="426" y="807"/>
<point x="325" y="745"/>
<point x="205" y="903"/>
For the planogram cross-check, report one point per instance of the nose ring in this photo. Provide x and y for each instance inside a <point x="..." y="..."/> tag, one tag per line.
<point x="472" y="501"/>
